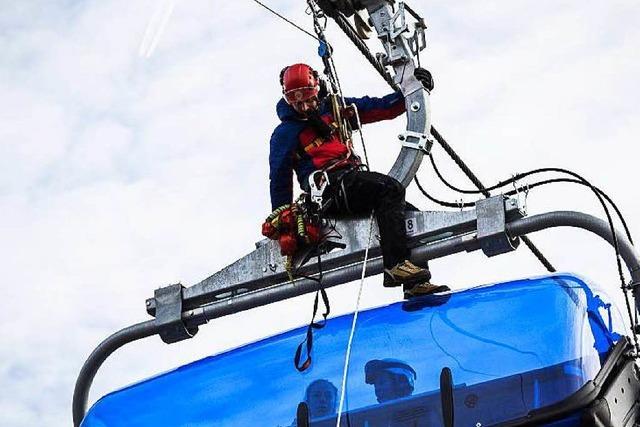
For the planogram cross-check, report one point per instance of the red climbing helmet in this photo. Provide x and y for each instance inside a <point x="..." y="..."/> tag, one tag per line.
<point x="299" y="82"/>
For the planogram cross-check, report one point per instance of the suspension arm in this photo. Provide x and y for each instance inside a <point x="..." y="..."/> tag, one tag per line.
<point x="400" y="47"/>
<point x="408" y="162"/>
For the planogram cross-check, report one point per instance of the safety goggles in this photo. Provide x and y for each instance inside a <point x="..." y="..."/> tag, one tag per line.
<point x="294" y="96"/>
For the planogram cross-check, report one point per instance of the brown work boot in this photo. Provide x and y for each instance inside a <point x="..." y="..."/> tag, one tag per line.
<point x="405" y="273"/>
<point x="425" y="288"/>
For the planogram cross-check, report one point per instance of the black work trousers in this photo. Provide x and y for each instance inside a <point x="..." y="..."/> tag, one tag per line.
<point x="358" y="192"/>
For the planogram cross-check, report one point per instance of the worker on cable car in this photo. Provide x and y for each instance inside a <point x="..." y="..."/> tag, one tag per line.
<point x="391" y="378"/>
<point x="308" y="140"/>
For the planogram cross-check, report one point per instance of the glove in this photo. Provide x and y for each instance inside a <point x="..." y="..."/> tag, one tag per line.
<point x="424" y="77"/>
<point x="270" y="231"/>
<point x="282" y="216"/>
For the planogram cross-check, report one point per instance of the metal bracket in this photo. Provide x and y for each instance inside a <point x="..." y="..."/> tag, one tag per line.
<point x="492" y="231"/>
<point x="168" y="313"/>
<point x="260" y="275"/>
<point x="395" y="31"/>
<point x="416" y="140"/>
<point x="397" y="51"/>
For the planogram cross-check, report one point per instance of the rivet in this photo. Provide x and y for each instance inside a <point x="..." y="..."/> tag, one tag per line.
<point x="415" y="106"/>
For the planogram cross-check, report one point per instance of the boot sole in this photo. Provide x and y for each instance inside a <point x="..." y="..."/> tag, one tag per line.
<point x="437" y="289"/>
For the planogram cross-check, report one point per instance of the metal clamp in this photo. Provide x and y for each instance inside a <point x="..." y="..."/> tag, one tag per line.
<point x="397" y="51"/>
<point x="492" y="226"/>
<point x="395" y="31"/>
<point x="317" y="190"/>
<point x="168" y="314"/>
<point x="416" y="140"/>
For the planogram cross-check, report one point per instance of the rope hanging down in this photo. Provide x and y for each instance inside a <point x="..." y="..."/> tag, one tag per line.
<point x="354" y="321"/>
<point x="325" y="52"/>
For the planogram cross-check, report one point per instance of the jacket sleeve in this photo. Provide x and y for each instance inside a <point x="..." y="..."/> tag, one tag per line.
<point x="376" y="109"/>
<point x="281" y="152"/>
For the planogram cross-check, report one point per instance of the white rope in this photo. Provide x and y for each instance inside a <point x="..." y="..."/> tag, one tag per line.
<point x="353" y="325"/>
<point x="364" y="146"/>
<point x="347" y="357"/>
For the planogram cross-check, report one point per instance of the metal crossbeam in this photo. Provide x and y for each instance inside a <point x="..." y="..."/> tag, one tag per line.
<point x="259" y="273"/>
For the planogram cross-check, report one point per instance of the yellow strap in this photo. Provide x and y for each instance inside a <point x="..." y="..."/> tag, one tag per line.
<point x="315" y="143"/>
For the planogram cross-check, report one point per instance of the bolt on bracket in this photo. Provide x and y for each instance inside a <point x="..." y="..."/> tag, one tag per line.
<point x="491" y="225"/>
<point x="416" y="140"/>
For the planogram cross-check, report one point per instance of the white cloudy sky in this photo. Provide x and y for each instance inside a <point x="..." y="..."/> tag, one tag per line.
<point x="130" y="162"/>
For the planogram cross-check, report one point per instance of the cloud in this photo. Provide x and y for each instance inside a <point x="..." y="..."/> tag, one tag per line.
<point x="124" y="173"/>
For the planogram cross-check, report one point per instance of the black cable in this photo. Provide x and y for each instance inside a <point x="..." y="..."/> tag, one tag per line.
<point x="575" y="181"/>
<point x="414" y="14"/>
<point x="352" y="34"/>
<point x="441" y="202"/>
<point x="599" y="194"/>
<point x="461" y="164"/>
<point x="530" y="186"/>
<point x="575" y="175"/>
<point x="474" y="179"/>
<point x="442" y="178"/>
<point x="285" y="19"/>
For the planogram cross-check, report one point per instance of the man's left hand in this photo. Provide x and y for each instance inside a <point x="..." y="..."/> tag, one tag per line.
<point x="424" y="76"/>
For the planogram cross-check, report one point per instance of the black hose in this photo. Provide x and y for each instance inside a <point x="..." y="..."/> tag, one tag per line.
<point x="98" y="356"/>
<point x="518" y="190"/>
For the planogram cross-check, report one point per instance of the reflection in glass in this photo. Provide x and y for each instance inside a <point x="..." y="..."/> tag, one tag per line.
<point x="320" y="397"/>
<point x="391" y="378"/>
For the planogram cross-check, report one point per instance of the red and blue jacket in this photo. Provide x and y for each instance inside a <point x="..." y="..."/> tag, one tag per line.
<point x="295" y="145"/>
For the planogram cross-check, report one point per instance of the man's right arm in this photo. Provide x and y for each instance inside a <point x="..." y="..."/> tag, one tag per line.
<point x="372" y="109"/>
<point x="281" y="152"/>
